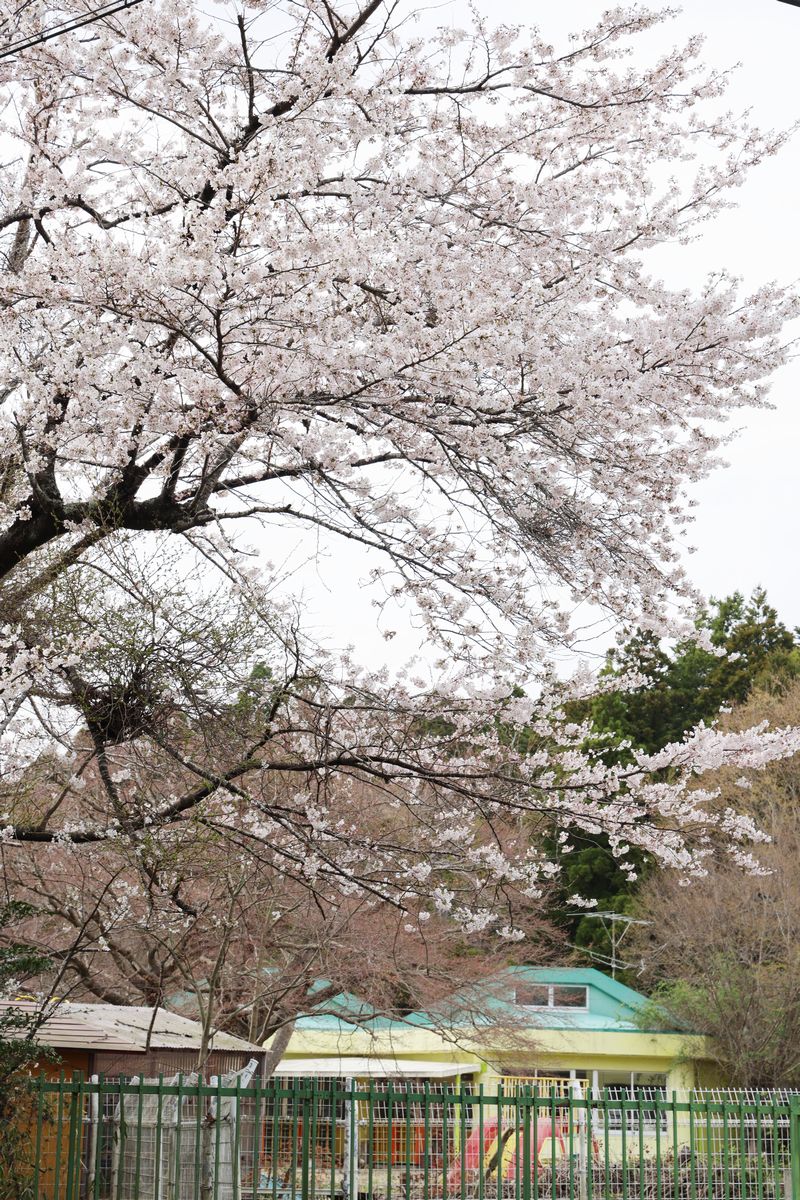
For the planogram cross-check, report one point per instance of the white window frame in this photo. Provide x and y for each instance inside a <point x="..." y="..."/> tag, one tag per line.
<point x="551" y="987"/>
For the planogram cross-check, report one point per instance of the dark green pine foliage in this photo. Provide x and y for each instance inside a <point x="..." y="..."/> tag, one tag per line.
<point x="685" y="685"/>
<point x="689" y="684"/>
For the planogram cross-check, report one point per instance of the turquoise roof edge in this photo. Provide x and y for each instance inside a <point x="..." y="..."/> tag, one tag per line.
<point x="589" y="976"/>
<point x="620" y="995"/>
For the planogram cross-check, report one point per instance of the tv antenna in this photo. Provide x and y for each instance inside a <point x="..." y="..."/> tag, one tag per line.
<point x="610" y="922"/>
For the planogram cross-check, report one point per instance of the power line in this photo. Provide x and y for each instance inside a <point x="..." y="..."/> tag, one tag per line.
<point x="97" y="14"/>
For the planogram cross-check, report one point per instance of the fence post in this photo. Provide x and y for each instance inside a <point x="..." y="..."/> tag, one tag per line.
<point x="577" y="1095"/>
<point x="74" y="1135"/>
<point x="305" y="1117"/>
<point x="794" y="1146"/>
<point x="92" y="1151"/>
<point x="350" y="1180"/>
<point x="37" y="1153"/>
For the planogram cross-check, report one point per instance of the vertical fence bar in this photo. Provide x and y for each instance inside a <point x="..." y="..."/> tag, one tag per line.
<point x="526" y="1142"/>
<point x="408" y="1142"/>
<point x="213" y="1134"/>
<point x="742" y="1149"/>
<point x="760" y="1153"/>
<point x="606" y="1148"/>
<point x="277" y="1117"/>
<point x="692" y="1151"/>
<point x="74" y="1134"/>
<point x="350" y="1182"/>
<point x="177" y="1172"/>
<point x="567" y="1114"/>
<point x="481" y="1144"/>
<point x="314" y="1136"/>
<point x="794" y="1145"/>
<point x="273" y="1105"/>
<point x="236" y="1151"/>
<point x="571" y="1145"/>
<point x="624" y="1143"/>
<point x="198" y="1139"/>
<point x="335" y="1098"/>
<point x="389" y="1138"/>
<point x="159" y="1139"/>
<point x="92" y="1137"/>
<point x="777" y="1155"/>
<point x="518" y="1140"/>
<point x="101" y="1140"/>
<point x="138" y="1164"/>
<point x="589" y="1137"/>
<point x="658" y="1181"/>
<point x="257" y="1139"/>
<point x="553" y="1129"/>
<point x="500" y="1156"/>
<point x="40" y="1106"/>
<point x="676" y="1179"/>
<point x="726" y="1151"/>
<point x="710" y="1147"/>
<point x="95" y="1165"/>
<point x="59" y="1136"/>
<point x="463" y="1153"/>
<point x="426" y="1139"/>
<point x="121" y="1141"/>
<point x="305" y="1114"/>
<point x="295" y="1134"/>
<point x="642" y="1165"/>
<point x="370" y="1134"/>
<point x="535" y="1141"/>
<point x="446" y="1096"/>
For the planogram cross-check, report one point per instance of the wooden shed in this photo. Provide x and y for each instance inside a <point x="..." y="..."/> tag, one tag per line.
<point x="114" y="1040"/>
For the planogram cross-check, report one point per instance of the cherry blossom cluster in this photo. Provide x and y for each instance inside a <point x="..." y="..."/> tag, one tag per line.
<point x="307" y="270"/>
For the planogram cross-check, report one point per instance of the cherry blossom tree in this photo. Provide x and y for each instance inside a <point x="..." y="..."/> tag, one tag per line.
<point x="300" y="267"/>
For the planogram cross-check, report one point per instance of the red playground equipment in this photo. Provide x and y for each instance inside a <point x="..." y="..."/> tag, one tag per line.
<point x="485" y="1151"/>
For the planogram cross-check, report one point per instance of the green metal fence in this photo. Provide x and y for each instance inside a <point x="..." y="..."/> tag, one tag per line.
<point x="298" y="1140"/>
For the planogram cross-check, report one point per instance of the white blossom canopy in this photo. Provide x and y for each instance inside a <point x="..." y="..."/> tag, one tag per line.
<point x="295" y="264"/>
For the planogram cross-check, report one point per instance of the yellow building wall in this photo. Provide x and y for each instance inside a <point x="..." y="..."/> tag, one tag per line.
<point x="683" y="1059"/>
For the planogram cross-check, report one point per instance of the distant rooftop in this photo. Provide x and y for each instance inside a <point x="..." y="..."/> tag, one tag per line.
<point x="580" y="998"/>
<point x="121" y="1029"/>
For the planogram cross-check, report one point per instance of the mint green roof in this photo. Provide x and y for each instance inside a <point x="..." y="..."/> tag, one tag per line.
<point x="333" y="1012"/>
<point x="612" y="1007"/>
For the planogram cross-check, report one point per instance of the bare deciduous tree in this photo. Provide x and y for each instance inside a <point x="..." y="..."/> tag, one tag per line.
<point x="725" y="951"/>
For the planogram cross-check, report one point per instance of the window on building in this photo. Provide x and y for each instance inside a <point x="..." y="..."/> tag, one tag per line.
<point x="532" y="996"/>
<point x="569" y="997"/>
<point x="552" y="995"/>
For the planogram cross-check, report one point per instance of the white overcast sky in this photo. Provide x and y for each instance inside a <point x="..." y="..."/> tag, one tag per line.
<point x="746" y="522"/>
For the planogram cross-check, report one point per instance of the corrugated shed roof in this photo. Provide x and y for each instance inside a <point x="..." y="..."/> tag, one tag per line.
<point x="111" y="1027"/>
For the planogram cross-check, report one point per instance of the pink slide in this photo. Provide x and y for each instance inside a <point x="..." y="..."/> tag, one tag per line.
<point x="479" y="1149"/>
<point x="544" y="1131"/>
<point x="474" y="1153"/>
